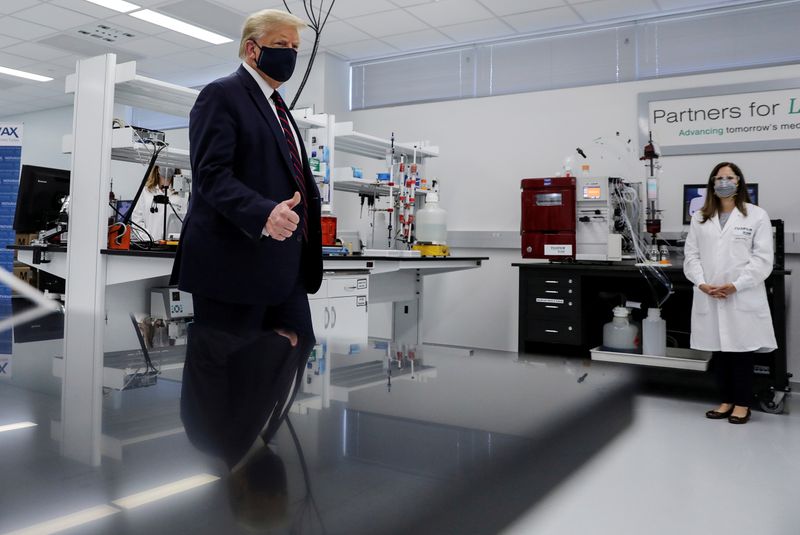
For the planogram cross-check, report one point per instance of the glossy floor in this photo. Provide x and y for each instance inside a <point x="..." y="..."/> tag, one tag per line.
<point x="383" y="447"/>
<point x="675" y="472"/>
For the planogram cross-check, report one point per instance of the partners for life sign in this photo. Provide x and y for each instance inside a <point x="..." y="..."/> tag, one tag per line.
<point x="724" y="122"/>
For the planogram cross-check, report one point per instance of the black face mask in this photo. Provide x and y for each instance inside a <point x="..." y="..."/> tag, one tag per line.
<point x="277" y="63"/>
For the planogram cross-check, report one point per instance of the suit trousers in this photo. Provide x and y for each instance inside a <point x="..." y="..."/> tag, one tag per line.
<point x="240" y="319"/>
<point x="735" y="376"/>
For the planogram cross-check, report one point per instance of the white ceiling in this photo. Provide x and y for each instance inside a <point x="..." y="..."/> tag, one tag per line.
<point x="41" y="36"/>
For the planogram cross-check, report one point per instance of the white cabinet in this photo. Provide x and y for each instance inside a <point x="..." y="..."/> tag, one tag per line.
<point x="339" y="309"/>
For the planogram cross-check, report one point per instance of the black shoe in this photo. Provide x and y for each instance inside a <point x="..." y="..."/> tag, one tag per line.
<point x="716" y="415"/>
<point x="739" y="420"/>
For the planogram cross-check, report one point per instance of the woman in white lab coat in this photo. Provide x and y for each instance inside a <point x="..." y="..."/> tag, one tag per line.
<point x="729" y="255"/>
<point x="149" y="211"/>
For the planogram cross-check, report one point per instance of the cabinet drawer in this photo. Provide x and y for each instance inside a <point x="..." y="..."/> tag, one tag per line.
<point x="348" y="286"/>
<point x="554" y="308"/>
<point x="561" y="285"/>
<point x="557" y="332"/>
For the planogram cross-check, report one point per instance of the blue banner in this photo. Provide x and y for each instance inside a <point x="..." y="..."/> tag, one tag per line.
<point x="10" y="165"/>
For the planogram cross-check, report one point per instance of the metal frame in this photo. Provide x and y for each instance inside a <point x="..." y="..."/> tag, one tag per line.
<point x="81" y="393"/>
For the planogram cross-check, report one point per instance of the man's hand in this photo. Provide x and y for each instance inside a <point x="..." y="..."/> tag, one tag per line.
<point x="290" y="335"/>
<point x="283" y="220"/>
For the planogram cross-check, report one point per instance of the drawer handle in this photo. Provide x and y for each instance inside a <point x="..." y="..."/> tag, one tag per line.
<point x="551" y="331"/>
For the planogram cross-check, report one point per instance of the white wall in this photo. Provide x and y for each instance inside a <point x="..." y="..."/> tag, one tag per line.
<point x="489" y="144"/>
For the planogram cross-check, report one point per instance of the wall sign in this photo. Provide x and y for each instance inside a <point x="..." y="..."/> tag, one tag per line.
<point x="10" y="164"/>
<point x="737" y="118"/>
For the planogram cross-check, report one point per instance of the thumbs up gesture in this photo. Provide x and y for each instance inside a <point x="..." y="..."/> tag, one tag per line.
<point x="283" y="220"/>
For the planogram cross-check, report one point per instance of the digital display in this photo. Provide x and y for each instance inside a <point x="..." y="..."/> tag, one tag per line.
<point x="592" y="192"/>
<point x="176" y="296"/>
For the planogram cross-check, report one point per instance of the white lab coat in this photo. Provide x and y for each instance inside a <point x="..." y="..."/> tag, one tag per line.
<point x="154" y="221"/>
<point x="741" y="253"/>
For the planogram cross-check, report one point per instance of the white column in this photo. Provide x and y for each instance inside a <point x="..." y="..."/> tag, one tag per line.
<point x="81" y="395"/>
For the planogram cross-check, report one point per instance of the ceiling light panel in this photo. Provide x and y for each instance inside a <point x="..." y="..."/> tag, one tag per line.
<point x="117" y="5"/>
<point x="180" y="26"/>
<point x="206" y="15"/>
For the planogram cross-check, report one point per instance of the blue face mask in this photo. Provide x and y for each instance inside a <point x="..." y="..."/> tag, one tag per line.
<point x="724" y="188"/>
<point x="277" y="63"/>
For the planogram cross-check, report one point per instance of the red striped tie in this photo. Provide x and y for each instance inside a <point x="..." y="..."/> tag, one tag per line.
<point x="294" y="153"/>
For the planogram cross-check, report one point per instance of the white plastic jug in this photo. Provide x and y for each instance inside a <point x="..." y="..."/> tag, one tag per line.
<point x="619" y="334"/>
<point x="431" y="226"/>
<point x="654" y="334"/>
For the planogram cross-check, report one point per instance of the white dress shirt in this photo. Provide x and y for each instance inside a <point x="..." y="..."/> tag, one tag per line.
<point x="267" y="90"/>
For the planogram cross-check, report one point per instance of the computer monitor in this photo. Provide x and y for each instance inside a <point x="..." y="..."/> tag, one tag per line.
<point x="122" y="209"/>
<point x="694" y="196"/>
<point x="41" y="191"/>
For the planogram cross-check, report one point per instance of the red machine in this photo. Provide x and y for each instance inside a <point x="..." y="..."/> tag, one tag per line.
<point x="548" y="218"/>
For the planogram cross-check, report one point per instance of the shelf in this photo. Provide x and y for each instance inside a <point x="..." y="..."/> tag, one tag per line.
<point x="143" y="92"/>
<point x="676" y="358"/>
<point x="368" y="188"/>
<point x="125" y="149"/>
<point x="305" y="119"/>
<point x="347" y="140"/>
<point x="118" y="366"/>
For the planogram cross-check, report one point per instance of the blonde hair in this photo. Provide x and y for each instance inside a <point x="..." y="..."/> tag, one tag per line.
<point x="152" y="180"/>
<point x="153" y="183"/>
<point x="261" y="22"/>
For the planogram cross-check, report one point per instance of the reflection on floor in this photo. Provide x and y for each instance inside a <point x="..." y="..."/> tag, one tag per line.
<point x="672" y="472"/>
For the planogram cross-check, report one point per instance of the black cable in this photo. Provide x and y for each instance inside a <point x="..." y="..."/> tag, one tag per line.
<point x="174" y="211"/>
<point x="328" y="15"/>
<point x="306" y="477"/>
<point x="317" y="27"/>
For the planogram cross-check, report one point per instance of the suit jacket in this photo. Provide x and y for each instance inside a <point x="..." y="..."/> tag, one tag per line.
<point x="241" y="170"/>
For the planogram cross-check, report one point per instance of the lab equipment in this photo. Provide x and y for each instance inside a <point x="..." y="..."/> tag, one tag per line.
<point x="608" y="211"/>
<point x="328" y="221"/>
<point x="175" y="309"/>
<point x="650" y="157"/>
<point x="548" y="218"/>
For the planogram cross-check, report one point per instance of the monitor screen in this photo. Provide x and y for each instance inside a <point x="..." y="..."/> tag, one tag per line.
<point x="41" y="192"/>
<point x="694" y="195"/>
<point x="122" y="209"/>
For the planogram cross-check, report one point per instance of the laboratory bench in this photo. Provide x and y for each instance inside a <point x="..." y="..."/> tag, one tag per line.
<point x="563" y="307"/>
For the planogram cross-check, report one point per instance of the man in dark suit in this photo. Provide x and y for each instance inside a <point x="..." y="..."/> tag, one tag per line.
<point x="250" y="249"/>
